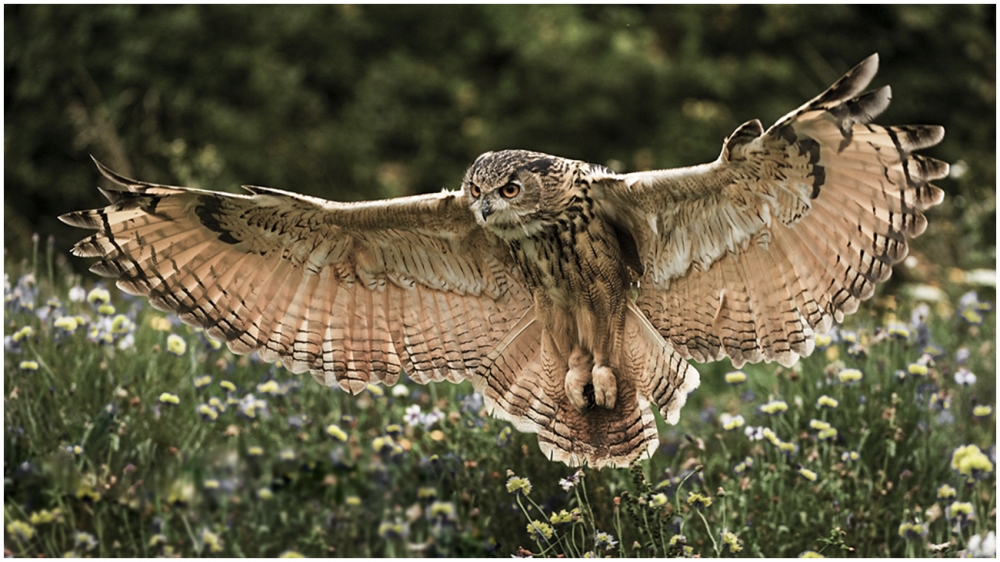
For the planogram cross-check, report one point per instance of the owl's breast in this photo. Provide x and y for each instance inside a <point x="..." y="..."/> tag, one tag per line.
<point x="572" y="259"/>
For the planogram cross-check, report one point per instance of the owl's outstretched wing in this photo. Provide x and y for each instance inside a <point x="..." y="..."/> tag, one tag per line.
<point x="350" y="292"/>
<point x="788" y="230"/>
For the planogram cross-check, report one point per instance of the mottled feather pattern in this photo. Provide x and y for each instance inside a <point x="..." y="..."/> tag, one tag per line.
<point x="521" y="281"/>
<point x="827" y="201"/>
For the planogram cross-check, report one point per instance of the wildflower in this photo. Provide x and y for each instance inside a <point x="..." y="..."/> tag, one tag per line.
<point x="570" y="481"/>
<point x="960" y="511"/>
<point x="255" y="451"/>
<point x="774" y="407"/>
<point x="965" y="377"/>
<point x="217" y="404"/>
<point x="75" y="450"/>
<point x="211" y="540"/>
<point x="503" y="438"/>
<point x="849" y="376"/>
<point x="77" y="293"/>
<point x="98" y="296"/>
<point x="771" y="436"/>
<point x="826" y="402"/>
<point x="265" y="493"/>
<point x="394" y="429"/>
<point x="698" y="500"/>
<point x="788" y="449"/>
<point x="981" y="547"/>
<point x="658" y="500"/>
<point x="754" y="433"/>
<point x="21" y="531"/>
<point x="286" y="455"/>
<point x="28" y="365"/>
<point x="227" y="386"/>
<point x="819" y="425"/>
<point x="43" y="517"/>
<point x="732" y="541"/>
<point x="900" y="375"/>
<point x="211" y="484"/>
<point x="353" y="501"/>
<point x="208" y="413"/>
<point x="560" y="518"/>
<point x="250" y="407"/>
<point x="291" y="554"/>
<point x="604" y="539"/>
<point x="962" y="355"/>
<point x="899" y="332"/>
<point x="85" y="540"/>
<point x="392" y="530"/>
<point x="910" y="530"/>
<point x="375" y="390"/>
<point x="87" y="494"/>
<point x="176" y="345"/>
<point x="730" y="423"/>
<point x="982" y="411"/>
<point x="970" y="462"/>
<point x="850" y="456"/>
<point x="823" y="341"/>
<point x="736" y="377"/>
<point x="67" y="324"/>
<point x="811" y="554"/>
<point x="412" y="416"/>
<point x="828" y="433"/>
<point x="170" y="399"/>
<point x="202" y="381"/>
<point x="917" y="369"/>
<point x="270" y="387"/>
<point x="808" y="474"/>
<point x="441" y="511"/>
<point x="539" y="531"/>
<point x="518" y="485"/>
<point x="945" y="492"/>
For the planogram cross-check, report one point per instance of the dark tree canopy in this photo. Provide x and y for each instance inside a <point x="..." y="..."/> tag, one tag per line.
<point x="349" y="102"/>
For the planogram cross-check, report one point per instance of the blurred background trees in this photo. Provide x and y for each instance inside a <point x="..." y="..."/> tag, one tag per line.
<point x="349" y="102"/>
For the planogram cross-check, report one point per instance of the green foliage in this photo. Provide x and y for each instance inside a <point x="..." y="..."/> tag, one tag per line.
<point x="350" y="102"/>
<point x="130" y="434"/>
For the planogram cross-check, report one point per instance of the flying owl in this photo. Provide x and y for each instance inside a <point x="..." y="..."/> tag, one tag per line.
<point x="571" y="296"/>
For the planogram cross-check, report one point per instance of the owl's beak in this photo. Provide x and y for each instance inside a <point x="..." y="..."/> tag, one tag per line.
<point x="485" y="210"/>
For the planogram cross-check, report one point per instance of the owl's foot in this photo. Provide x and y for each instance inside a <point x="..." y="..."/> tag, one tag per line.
<point x="589" y="385"/>
<point x="578" y="387"/>
<point x="605" y="387"/>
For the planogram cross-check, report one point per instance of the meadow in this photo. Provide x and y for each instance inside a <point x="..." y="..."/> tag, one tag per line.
<point x="127" y="433"/>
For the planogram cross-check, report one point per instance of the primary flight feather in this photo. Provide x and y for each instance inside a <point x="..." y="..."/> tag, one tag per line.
<point x="525" y="281"/>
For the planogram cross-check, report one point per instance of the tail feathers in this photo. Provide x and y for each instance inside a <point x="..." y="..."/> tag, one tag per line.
<point x="523" y="382"/>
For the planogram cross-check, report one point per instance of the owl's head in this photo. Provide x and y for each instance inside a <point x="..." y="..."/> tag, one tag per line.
<point x="516" y="193"/>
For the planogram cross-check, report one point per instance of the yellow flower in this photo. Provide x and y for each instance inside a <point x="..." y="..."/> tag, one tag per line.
<point x="808" y="474"/>
<point x="176" y="345"/>
<point x="811" y="554"/>
<point x="226" y="385"/>
<point x="211" y="540"/>
<point x="819" y="425"/>
<point x="291" y="554"/>
<point x="699" y="500"/>
<point x="828" y="433"/>
<point x="171" y="399"/>
<point x="255" y="450"/>
<point x="160" y="324"/>
<point x="106" y="309"/>
<point x="732" y="541"/>
<point x="970" y="462"/>
<point x="730" y="423"/>
<point x="98" y="296"/>
<point x="736" y="377"/>
<point x="848" y="376"/>
<point x="334" y="431"/>
<point x="774" y="407"/>
<point x="945" y="492"/>
<point x="539" y="531"/>
<point x="516" y="484"/>
<point x="826" y="402"/>
<point x="353" y="501"/>
<point x="822" y="340"/>
<point x="917" y="370"/>
<point x="561" y="517"/>
<point x="269" y="387"/>
<point x="658" y="500"/>
<point x="68" y="323"/>
<point x="44" y="516"/>
<point x="21" y="531"/>
<point x="28" y="365"/>
<point x="982" y="411"/>
<point x="265" y="493"/>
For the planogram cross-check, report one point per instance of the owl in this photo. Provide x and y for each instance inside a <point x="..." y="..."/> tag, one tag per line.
<point x="571" y="296"/>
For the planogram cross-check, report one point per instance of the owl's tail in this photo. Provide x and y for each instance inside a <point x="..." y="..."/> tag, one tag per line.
<point x="523" y="382"/>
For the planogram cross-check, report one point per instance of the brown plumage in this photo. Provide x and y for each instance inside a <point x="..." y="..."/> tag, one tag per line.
<point x="570" y="296"/>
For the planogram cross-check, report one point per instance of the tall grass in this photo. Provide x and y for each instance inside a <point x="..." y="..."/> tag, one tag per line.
<point x="130" y="434"/>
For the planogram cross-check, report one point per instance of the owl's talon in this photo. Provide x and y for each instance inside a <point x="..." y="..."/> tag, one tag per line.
<point x="605" y="386"/>
<point x="577" y="381"/>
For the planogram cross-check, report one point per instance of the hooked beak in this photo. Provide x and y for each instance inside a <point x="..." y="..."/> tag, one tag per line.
<point x="485" y="210"/>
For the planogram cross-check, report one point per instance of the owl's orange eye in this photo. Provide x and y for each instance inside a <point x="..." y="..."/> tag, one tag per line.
<point x="510" y="190"/>
<point x="474" y="191"/>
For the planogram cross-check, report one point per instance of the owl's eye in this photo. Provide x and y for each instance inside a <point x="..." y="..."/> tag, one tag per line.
<point x="510" y="190"/>
<point x="474" y="190"/>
